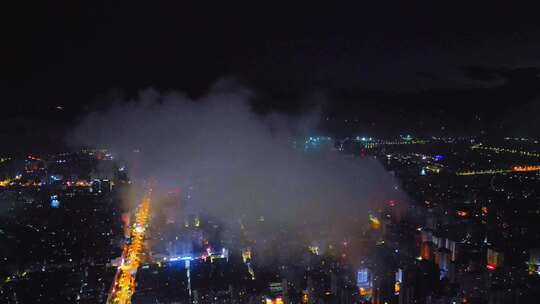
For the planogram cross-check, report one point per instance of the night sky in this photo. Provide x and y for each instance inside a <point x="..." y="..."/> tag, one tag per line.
<point x="415" y="66"/>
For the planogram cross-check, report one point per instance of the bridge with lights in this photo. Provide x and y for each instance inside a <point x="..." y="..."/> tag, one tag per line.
<point x="529" y="168"/>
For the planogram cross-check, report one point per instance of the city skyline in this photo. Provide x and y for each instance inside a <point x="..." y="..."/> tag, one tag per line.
<point x="366" y="153"/>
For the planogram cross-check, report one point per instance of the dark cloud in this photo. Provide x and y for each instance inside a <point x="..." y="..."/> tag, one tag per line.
<point x="481" y="73"/>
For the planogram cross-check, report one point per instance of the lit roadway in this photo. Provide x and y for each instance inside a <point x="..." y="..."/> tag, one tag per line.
<point x="124" y="281"/>
<point x="529" y="168"/>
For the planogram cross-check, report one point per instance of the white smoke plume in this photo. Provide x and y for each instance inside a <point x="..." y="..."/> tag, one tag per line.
<point x="234" y="163"/>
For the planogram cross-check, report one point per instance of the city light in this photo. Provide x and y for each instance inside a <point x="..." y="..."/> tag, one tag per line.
<point x="124" y="282"/>
<point x="374" y="222"/>
<point x="279" y="154"/>
<point x="314" y="249"/>
<point x="505" y="150"/>
<point x="55" y="203"/>
<point x="181" y="258"/>
<point x="526" y="168"/>
<point x="519" y="168"/>
<point x="462" y="213"/>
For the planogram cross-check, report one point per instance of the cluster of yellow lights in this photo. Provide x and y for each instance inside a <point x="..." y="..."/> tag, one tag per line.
<point x="374" y="222"/>
<point x="397" y="288"/>
<point x="314" y="249"/>
<point x="364" y="292"/>
<point x="533" y="268"/>
<point x="246" y="255"/>
<point x="504" y="150"/>
<point x="305" y="298"/>
<point x="278" y="300"/>
<point x="124" y="284"/>
<point x="8" y="181"/>
<point x="525" y="168"/>
<point x="82" y="183"/>
<point x="433" y="169"/>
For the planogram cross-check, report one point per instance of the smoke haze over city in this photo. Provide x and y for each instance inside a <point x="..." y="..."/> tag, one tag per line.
<point x="223" y="153"/>
<point x="232" y="163"/>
